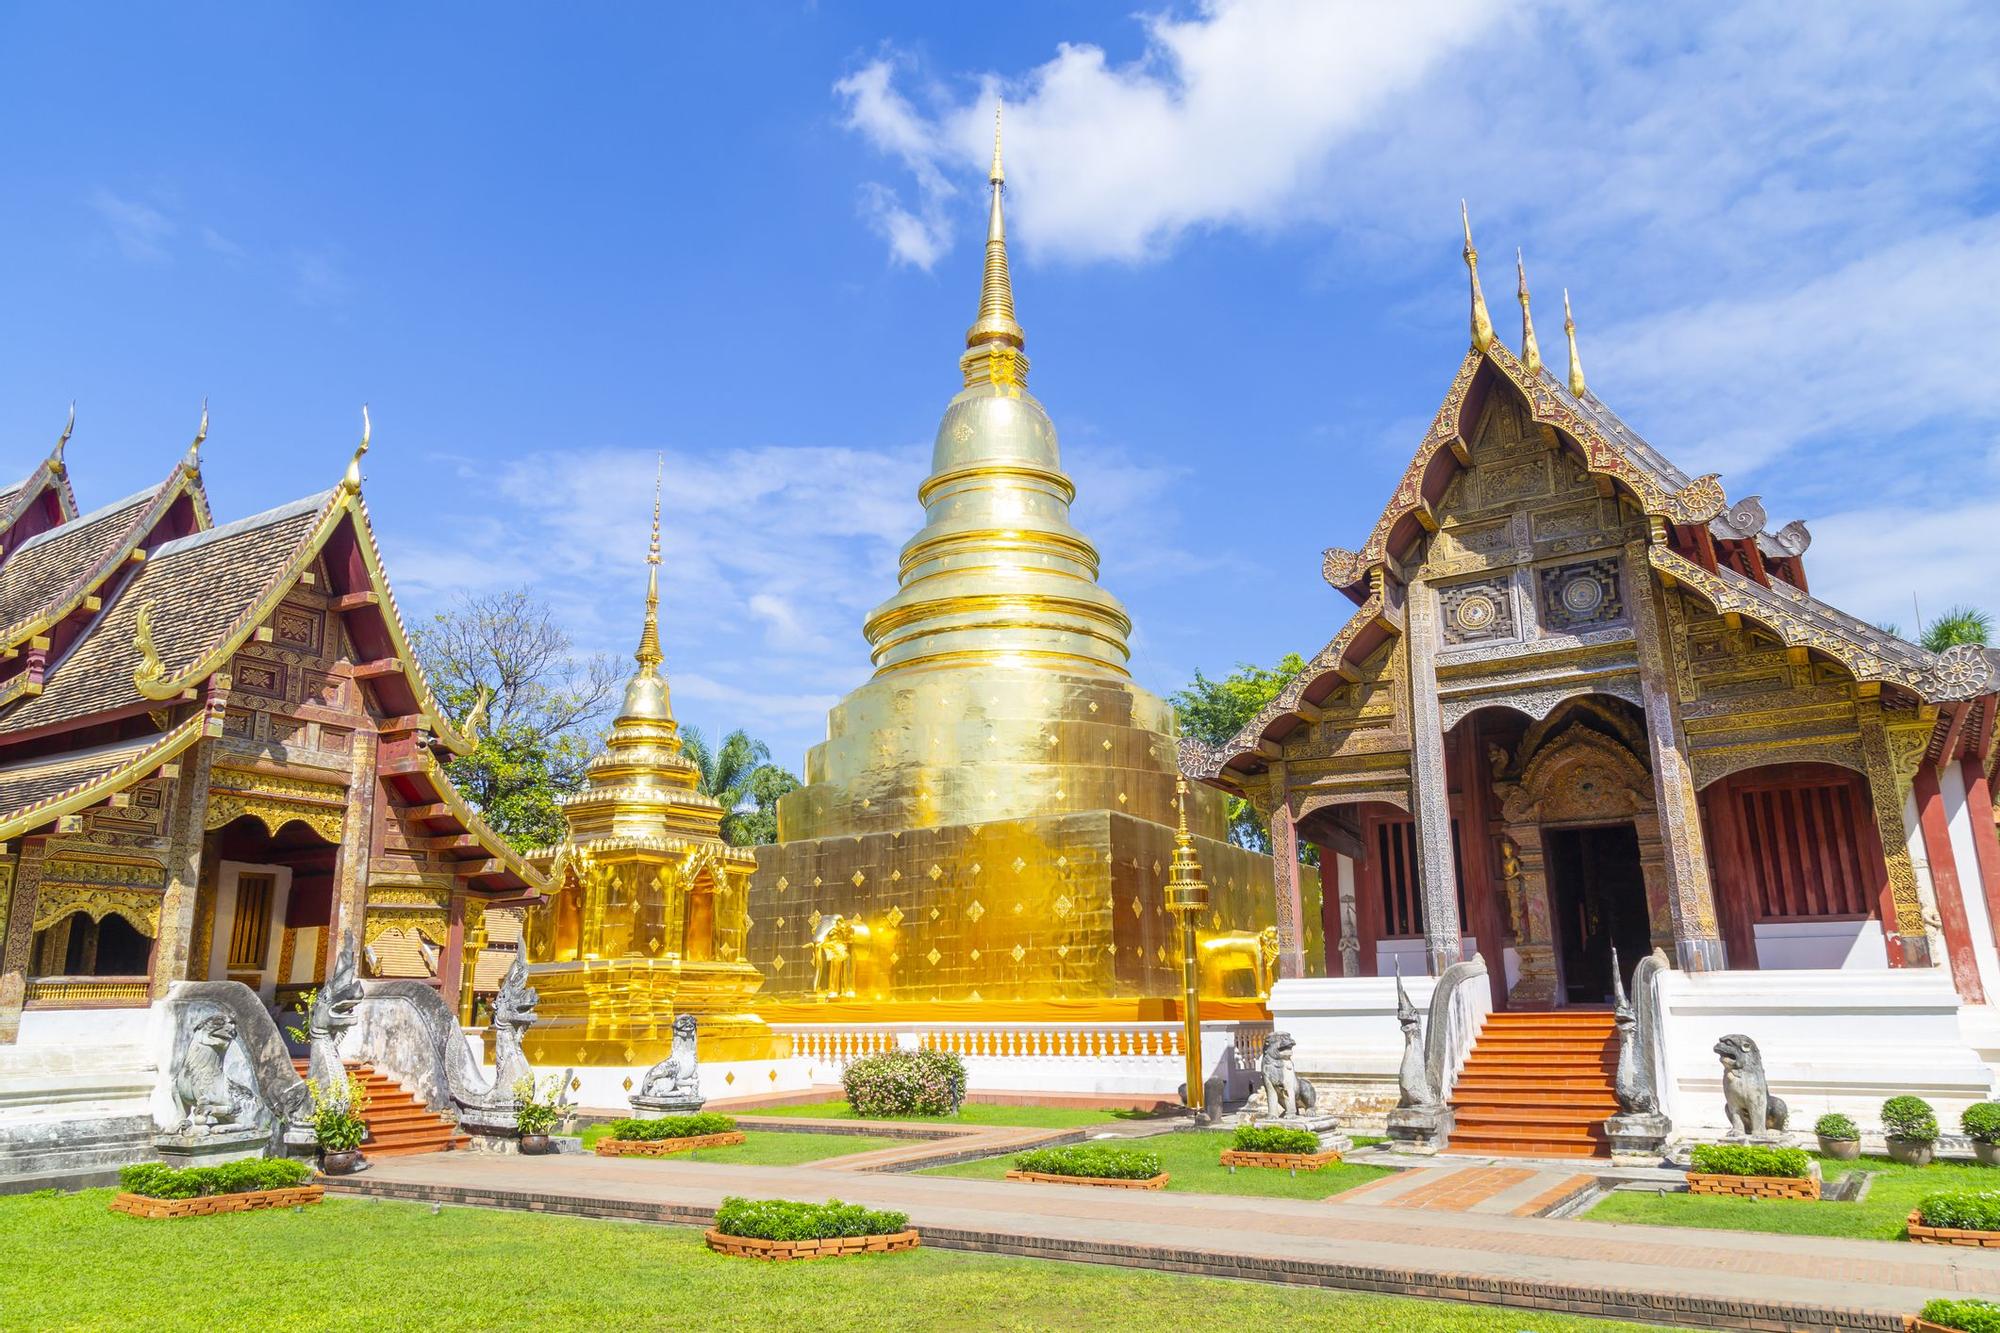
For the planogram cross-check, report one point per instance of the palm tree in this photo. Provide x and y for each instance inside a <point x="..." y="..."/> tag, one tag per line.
<point x="1961" y="624"/>
<point x="742" y="777"/>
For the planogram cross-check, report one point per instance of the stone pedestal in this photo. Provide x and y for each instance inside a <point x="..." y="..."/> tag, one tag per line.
<point x="491" y="1129"/>
<point x="1421" y="1130"/>
<point x="1639" y="1139"/>
<point x="207" y="1148"/>
<point x="654" y="1108"/>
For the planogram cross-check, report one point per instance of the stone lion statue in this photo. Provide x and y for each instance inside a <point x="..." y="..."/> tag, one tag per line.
<point x="1746" y="1094"/>
<point x="675" y="1078"/>
<point x="1285" y="1093"/>
<point x="836" y="946"/>
<point x="203" y="1090"/>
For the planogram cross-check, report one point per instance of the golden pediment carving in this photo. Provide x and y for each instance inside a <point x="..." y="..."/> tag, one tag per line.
<point x="53" y="902"/>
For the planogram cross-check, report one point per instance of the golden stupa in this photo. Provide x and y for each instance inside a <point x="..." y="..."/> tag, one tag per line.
<point x="650" y="909"/>
<point x="987" y="829"/>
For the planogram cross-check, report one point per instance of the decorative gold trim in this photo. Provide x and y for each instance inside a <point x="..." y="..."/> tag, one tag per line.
<point x="86" y="794"/>
<point x="275" y="801"/>
<point x="53" y="902"/>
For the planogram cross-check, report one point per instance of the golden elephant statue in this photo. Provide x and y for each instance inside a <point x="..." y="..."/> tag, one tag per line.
<point x="837" y="945"/>
<point x="1230" y="953"/>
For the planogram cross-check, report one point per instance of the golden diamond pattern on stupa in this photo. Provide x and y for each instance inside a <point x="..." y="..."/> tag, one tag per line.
<point x="1019" y="953"/>
<point x="895" y="915"/>
<point x="974" y="910"/>
<point x="933" y="955"/>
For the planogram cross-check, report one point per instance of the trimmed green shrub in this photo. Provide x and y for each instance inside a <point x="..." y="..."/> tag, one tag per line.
<point x="1749" y="1159"/>
<point x="1909" y="1118"/>
<point x="787" y="1219"/>
<point x="1981" y="1122"/>
<point x="1965" y="1316"/>
<point x="894" y="1083"/>
<point x="1091" y="1159"/>
<point x="1961" y="1210"/>
<point x="1834" y="1125"/>
<point x="1274" y="1138"/>
<point x="673" y="1127"/>
<point x="157" y="1180"/>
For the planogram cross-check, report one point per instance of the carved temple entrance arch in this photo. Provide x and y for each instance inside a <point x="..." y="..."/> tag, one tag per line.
<point x="1577" y="768"/>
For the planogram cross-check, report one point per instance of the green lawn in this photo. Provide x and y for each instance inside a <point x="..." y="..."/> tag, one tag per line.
<point x="772" y="1147"/>
<point x="1894" y="1191"/>
<point x="350" y="1264"/>
<point x="972" y="1113"/>
<point x="1192" y="1159"/>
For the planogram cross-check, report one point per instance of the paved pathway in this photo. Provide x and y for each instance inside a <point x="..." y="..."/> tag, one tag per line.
<point x="1519" y="1191"/>
<point x="1698" y="1278"/>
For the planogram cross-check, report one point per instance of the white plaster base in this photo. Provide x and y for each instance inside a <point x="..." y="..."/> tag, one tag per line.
<point x="1847" y="945"/>
<point x="1349" y="1043"/>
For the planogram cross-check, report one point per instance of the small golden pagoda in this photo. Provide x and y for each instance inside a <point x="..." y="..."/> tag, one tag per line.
<point x="648" y="909"/>
<point x="985" y="834"/>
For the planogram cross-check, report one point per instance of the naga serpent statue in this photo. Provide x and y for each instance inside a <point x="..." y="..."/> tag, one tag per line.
<point x="333" y="1013"/>
<point x="513" y="1015"/>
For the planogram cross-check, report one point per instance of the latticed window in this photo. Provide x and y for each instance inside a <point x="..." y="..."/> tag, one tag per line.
<point x="1802" y="847"/>
<point x="1401" y="880"/>
<point x="249" y="937"/>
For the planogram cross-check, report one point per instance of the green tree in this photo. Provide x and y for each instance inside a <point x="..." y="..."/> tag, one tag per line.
<point x="742" y="777"/>
<point x="546" y="708"/>
<point x="1961" y="624"/>
<point x="1213" y="711"/>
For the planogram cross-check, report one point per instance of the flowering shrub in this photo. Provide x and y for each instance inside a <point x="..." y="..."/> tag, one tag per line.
<point x="537" y="1109"/>
<point x="1090" y="1159"/>
<point x="897" y="1083"/>
<point x="1274" y="1138"/>
<point x="672" y="1127"/>
<point x="787" y="1219"/>
<point x="337" y="1123"/>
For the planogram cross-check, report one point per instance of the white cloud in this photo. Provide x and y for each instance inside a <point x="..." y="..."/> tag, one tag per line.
<point x="877" y="110"/>
<point x="1871" y="560"/>
<point x="140" y="230"/>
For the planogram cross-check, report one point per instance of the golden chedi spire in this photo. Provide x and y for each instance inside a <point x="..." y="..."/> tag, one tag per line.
<point x="648" y="656"/>
<point x="1576" y="385"/>
<point x="1531" y="351"/>
<point x="1483" y="336"/>
<point x="996" y="327"/>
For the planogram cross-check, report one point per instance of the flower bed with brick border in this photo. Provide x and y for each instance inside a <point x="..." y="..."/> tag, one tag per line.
<point x="750" y="1247"/>
<point x="1916" y="1323"/>
<point x="664" y="1147"/>
<point x="1296" y="1161"/>
<point x="1158" y="1182"/>
<point x="139" y="1205"/>
<point x="1923" y="1235"/>
<point x="1755" y="1187"/>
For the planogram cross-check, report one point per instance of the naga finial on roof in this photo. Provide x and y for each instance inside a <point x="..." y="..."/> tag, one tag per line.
<point x="1531" y="351"/>
<point x="200" y="434"/>
<point x="56" y="454"/>
<point x="1483" y="336"/>
<point x="150" y="670"/>
<point x="351" y="481"/>
<point x="1576" y="385"/>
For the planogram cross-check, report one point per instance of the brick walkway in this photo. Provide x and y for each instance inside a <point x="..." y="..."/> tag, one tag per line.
<point x="1518" y="1191"/>
<point x="1664" y="1275"/>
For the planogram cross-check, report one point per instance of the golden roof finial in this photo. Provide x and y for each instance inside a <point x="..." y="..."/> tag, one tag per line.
<point x="1531" y="351"/>
<point x="648" y="657"/>
<point x="56" y="454"/>
<point x="200" y="434"/>
<point x="351" y="481"/>
<point x="1482" y="323"/>
<point x="1575" y="362"/>
<point x="150" y="670"/>
<point x="996" y="321"/>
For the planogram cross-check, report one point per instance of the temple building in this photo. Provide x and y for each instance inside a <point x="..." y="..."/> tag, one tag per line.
<point x="648" y="907"/>
<point x="1585" y="703"/>
<point x="217" y="752"/>
<point x="985" y="833"/>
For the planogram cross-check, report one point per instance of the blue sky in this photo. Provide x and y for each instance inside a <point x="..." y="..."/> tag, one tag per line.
<point x="546" y="245"/>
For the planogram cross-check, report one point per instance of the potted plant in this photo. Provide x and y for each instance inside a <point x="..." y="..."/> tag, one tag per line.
<point x="537" y="1111"/>
<point x="1911" y="1128"/>
<point x="337" y="1125"/>
<point x="1981" y="1123"/>
<point x="1838" y="1137"/>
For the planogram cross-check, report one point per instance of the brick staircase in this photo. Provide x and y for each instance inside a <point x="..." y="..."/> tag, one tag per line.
<point x="1538" y="1085"/>
<point x="399" y="1125"/>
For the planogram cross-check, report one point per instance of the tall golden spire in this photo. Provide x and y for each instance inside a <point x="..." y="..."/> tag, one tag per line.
<point x="1483" y="336"/>
<point x="1531" y="351"/>
<point x="648" y="657"/>
<point x="996" y="290"/>
<point x="1575" y="363"/>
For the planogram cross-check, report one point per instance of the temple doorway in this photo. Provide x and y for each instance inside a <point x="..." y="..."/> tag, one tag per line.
<point x="1599" y="892"/>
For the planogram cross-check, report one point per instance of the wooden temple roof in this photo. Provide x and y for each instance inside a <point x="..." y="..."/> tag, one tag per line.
<point x="37" y="502"/>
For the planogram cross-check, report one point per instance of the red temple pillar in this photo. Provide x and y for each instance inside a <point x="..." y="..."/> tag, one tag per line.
<point x="1944" y="881"/>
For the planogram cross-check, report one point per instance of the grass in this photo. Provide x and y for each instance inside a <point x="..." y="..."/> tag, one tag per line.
<point x="350" y="1264"/>
<point x="1881" y="1216"/>
<point x="1192" y="1159"/>
<point x="972" y="1113"/>
<point x="771" y="1148"/>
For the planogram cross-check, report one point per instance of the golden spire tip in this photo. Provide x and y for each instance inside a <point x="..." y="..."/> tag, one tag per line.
<point x="996" y="322"/>
<point x="659" y="471"/>
<point x="1531" y="351"/>
<point x="1483" y="336"/>
<point x="997" y="176"/>
<point x="648" y="655"/>
<point x="1576" y="385"/>
<point x="351" y="481"/>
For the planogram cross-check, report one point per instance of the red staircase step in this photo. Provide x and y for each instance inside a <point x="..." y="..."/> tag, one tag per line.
<point x="399" y="1125"/>
<point x="1537" y="1084"/>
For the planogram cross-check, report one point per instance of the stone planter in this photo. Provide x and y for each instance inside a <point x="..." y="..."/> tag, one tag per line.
<point x="749" y="1247"/>
<point x="1978" y="1240"/>
<point x="1756" y="1187"/>
<point x="1911" y="1152"/>
<point x="1840" y="1150"/>
<point x="664" y="1147"/>
<point x="138" y="1205"/>
<point x="1293" y="1161"/>
<point x="1158" y="1182"/>
<point x="344" y="1163"/>
<point x="1987" y="1153"/>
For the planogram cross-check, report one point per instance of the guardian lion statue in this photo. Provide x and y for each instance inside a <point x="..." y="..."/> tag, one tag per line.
<point x="1286" y="1095"/>
<point x="675" y="1081"/>
<point x="208" y="1099"/>
<point x="1746" y="1094"/>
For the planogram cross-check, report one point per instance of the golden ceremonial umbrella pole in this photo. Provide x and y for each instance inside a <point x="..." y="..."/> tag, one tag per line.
<point x="1187" y="898"/>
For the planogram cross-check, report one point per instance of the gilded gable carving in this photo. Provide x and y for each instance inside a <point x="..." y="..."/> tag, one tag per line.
<point x="297" y="627"/>
<point x="253" y="676"/>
